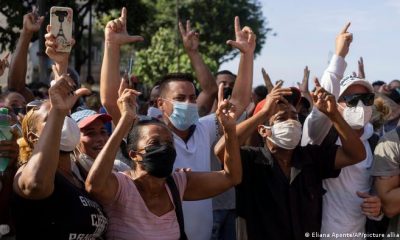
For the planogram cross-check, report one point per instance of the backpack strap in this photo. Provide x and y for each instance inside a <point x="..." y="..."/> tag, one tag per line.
<point x="398" y="131"/>
<point x="178" y="205"/>
<point x="373" y="141"/>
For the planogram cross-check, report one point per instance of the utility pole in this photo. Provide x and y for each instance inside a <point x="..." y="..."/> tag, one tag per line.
<point x="89" y="66"/>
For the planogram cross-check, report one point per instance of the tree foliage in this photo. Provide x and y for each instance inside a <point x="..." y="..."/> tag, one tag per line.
<point x="213" y="19"/>
<point x="160" y="58"/>
<point x="14" y="11"/>
<point x="156" y="21"/>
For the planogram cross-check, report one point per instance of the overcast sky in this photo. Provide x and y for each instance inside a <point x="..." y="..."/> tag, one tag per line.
<point x="306" y="33"/>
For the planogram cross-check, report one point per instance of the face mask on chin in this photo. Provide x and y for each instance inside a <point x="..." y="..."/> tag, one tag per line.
<point x="357" y="117"/>
<point x="70" y="135"/>
<point x="286" y="134"/>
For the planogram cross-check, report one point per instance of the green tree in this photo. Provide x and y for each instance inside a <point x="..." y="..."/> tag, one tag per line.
<point x="14" y="11"/>
<point x="213" y="19"/>
<point x="160" y="58"/>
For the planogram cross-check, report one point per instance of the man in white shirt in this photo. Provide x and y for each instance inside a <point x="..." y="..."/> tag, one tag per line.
<point x="341" y="203"/>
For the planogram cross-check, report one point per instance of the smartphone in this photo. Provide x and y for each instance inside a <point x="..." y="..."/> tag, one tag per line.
<point x="61" y="27"/>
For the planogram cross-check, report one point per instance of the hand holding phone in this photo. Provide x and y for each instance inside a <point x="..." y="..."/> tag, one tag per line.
<point x="61" y="27"/>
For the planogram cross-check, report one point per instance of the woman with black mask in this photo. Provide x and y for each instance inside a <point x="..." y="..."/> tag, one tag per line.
<point x="144" y="203"/>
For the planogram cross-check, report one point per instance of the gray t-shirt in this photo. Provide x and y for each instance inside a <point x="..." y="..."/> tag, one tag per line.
<point x="387" y="163"/>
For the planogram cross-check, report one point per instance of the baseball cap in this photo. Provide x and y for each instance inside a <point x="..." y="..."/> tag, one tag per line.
<point x="346" y="82"/>
<point x="85" y="117"/>
<point x="293" y="99"/>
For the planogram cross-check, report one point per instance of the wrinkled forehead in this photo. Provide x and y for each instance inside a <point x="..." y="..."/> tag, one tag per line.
<point x="155" y="131"/>
<point x="283" y="113"/>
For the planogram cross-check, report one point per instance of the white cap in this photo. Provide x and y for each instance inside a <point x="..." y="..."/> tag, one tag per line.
<point x="346" y="82"/>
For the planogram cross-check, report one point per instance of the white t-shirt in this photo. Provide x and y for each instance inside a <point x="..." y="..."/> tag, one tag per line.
<point x="195" y="154"/>
<point x="341" y="211"/>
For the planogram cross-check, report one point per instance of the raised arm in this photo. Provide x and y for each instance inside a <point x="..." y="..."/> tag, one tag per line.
<point x="246" y="128"/>
<point x="101" y="183"/>
<point x="246" y="43"/>
<point x="18" y="66"/>
<point x="267" y="80"/>
<point x="116" y="35"/>
<point x="303" y="86"/>
<point x="352" y="150"/>
<point x="35" y="180"/>
<point x="317" y="124"/>
<point x="208" y="86"/>
<point x="205" y="185"/>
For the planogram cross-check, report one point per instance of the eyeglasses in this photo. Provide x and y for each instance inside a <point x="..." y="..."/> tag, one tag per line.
<point x="366" y="98"/>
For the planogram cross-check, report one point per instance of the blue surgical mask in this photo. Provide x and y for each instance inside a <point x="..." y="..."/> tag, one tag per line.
<point x="184" y="115"/>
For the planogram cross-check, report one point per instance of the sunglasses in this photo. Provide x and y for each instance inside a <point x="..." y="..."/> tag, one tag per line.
<point x="34" y="104"/>
<point x="366" y="98"/>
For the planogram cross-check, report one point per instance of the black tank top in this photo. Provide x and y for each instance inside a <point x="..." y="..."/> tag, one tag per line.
<point x="68" y="213"/>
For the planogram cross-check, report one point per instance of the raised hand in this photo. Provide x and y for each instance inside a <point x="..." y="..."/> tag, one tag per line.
<point x="343" y="40"/>
<point x="267" y="80"/>
<point x="303" y="86"/>
<point x="371" y="205"/>
<point x="62" y="93"/>
<point x="323" y="100"/>
<point x="276" y="96"/>
<point x="361" y="72"/>
<point x="51" y="49"/>
<point x="127" y="100"/>
<point x="190" y="37"/>
<point x="32" y="22"/>
<point x="245" y="38"/>
<point x="116" y="33"/>
<point x="4" y="64"/>
<point x="225" y="111"/>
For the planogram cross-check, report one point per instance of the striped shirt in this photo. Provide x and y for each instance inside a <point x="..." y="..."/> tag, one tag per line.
<point x="129" y="217"/>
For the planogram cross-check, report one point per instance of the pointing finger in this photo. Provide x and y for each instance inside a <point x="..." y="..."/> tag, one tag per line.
<point x="220" y="93"/>
<point x="346" y="27"/>
<point x="123" y="15"/>
<point x="316" y="82"/>
<point x="181" y="29"/>
<point x="188" y="28"/>
<point x="237" y="24"/>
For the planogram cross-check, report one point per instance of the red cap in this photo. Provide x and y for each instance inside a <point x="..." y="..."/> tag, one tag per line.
<point x="85" y="117"/>
<point x="293" y="99"/>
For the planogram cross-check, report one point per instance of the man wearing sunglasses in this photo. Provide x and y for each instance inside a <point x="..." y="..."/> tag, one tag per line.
<point x="348" y="202"/>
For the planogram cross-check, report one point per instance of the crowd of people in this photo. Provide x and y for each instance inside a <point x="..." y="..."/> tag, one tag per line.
<point x="222" y="162"/>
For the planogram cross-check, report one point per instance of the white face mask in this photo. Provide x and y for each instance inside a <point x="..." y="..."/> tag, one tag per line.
<point x="357" y="116"/>
<point x="286" y="134"/>
<point x="70" y="135"/>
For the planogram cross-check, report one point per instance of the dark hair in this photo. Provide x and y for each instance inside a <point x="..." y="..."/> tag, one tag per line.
<point x="261" y="91"/>
<point x="171" y="77"/>
<point x="378" y="83"/>
<point x="135" y="134"/>
<point x="227" y="72"/>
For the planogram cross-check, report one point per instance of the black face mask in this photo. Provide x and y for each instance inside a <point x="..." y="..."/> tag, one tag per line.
<point x="227" y="92"/>
<point x="159" y="160"/>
